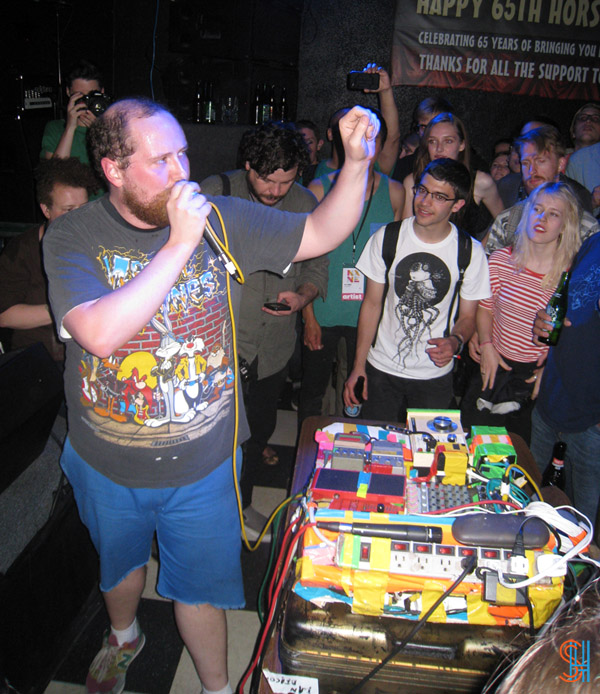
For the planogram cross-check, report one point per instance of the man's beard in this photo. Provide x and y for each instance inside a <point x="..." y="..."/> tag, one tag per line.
<point x="263" y="199"/>
<point x="153" y="212"/>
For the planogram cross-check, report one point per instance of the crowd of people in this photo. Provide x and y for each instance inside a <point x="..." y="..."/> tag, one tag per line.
<point x="413" y="252"/>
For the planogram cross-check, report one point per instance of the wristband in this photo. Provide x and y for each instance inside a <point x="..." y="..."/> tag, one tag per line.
<point x="461" y="344"/>
<point x="485" y="342"/>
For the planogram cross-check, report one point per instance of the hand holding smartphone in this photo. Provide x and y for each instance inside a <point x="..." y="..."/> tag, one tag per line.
<point x="359" y="80"/>
<point x="277" y="306"/>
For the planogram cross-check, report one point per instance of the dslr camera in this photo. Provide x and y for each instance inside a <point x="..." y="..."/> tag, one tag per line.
<point x="96" y="102"/>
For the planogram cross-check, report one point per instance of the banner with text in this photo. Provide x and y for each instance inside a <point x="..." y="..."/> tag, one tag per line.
<point x="545" y="48"/>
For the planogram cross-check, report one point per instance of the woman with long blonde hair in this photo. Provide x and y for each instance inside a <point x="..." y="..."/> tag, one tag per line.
<point x="523" y="278"/>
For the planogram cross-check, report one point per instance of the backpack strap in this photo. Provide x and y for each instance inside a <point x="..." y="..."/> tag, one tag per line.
<point x="388" y="253"/>
<point x="226" y="183"/>
<point x="463" y="259"/>
<point x="388" y="250"/>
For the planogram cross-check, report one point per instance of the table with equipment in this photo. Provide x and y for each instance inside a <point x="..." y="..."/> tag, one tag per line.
<point x="398" y="554"/>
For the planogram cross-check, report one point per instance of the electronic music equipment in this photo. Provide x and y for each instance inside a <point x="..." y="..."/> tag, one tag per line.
<point x="380" y="540"/>
<point x="449" y="570"/>
<point x="28" y="94"/>
<point x="423" y="497"/>
<point x="349" y="484"/>
<point x="340" y="647"/>
<point x="414" y="555"/>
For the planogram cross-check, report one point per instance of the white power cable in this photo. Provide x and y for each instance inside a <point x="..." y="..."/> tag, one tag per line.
<point x="550" y="515"/>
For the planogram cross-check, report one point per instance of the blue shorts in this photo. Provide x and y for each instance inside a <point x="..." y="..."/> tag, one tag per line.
<point x="197" y="527"/>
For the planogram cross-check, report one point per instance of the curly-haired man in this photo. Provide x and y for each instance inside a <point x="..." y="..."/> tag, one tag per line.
<point x="272" y="157"/>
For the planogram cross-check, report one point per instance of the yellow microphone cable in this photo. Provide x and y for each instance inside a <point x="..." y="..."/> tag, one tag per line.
<point x="224" y="246"/>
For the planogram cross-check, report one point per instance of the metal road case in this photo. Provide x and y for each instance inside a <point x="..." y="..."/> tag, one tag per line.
<point x="340" y="648"/>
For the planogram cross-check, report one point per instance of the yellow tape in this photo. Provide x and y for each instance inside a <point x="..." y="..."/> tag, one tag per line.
<point x="381" y="552"/>
<point x="369" y="592"/>
<point x="362" y="490"/>
<point x="545" y="600"/>
<point x="505" y="596"/>
<point x="428" y="597"/>
<point x="477" y="610"/>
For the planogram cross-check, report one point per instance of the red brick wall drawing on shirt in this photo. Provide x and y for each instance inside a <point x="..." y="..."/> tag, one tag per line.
<point x="175" y="378"/>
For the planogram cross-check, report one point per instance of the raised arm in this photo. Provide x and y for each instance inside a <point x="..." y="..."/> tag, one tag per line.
<point x="486" y="192"/>
<point x="103" y="325"/>
<point x="75" y="113"/>
<point x="387" y="105"/>
<point x="335" y="217"/>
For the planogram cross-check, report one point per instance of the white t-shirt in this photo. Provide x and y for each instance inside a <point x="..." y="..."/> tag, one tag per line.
<point x="421" y="285"/>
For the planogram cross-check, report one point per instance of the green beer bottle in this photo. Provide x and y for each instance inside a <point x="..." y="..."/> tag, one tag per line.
<point x="557" y="310"/>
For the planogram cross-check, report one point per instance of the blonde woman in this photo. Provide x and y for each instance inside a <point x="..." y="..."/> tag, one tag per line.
<point x="523" y="278"/>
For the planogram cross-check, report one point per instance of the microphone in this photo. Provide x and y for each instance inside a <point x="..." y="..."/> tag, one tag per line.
<point x="212" y="241"/>
<point x="229" y="265"/>
<point x="393" y="531"/>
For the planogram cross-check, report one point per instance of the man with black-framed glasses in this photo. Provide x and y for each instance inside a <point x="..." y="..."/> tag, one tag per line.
<point x="409" y="334"/>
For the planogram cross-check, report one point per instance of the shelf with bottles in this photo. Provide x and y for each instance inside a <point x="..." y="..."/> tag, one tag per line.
<point x="270" y="103"/>
<point x="207" y="108"/>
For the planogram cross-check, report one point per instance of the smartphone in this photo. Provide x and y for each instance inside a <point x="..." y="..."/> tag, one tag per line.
<point x="358" y="80"/>
<point x="358" y="388"/>
<point x="276" y="306"/>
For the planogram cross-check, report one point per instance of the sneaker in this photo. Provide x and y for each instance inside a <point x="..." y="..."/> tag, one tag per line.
<point x="109" y="667"/>
<point x="254" y="522"/>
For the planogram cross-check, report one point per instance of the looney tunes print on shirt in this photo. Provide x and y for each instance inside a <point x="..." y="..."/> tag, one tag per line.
<point x="172" y="381"/>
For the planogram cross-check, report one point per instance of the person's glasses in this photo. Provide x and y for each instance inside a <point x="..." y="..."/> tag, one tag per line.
<point x="591" y="117"/>
<point x="422" y="192"/>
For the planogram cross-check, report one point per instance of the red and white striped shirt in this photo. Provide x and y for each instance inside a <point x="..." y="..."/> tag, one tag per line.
<point x="516" y="297"/>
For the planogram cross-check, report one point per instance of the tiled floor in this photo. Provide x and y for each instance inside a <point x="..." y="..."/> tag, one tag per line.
<point x="166" y="667"/>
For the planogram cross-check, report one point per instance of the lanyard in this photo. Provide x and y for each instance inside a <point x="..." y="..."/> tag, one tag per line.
<point x="362" y="222"/>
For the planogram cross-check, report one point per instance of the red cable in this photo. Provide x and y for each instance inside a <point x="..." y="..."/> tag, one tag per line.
<point x="267" y="624"/>
<point x="286" y="538"/>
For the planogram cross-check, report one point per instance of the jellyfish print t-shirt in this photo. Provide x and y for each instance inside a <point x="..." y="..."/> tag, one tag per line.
<point x="422" y="278"/>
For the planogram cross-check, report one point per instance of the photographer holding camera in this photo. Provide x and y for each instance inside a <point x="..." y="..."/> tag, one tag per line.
<point x="64" y="139"/>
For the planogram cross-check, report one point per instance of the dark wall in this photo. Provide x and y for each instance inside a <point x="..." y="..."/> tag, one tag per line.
<point x="240" y="42"/>
<point x="36" y="36"/>
<point x="340" y="36"/>
<point x="233" y="43"/>
<point x="159" y="49"/>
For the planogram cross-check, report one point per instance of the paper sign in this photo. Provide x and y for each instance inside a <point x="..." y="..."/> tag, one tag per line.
<point x="291" y="684"/>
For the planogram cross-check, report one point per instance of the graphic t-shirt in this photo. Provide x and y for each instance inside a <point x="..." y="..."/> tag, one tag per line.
<point x="159" y="411"/>
<point x="421" y="285"/>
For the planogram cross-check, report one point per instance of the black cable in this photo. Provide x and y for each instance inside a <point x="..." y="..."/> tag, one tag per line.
<point x="525" y="595"/>
<point x="470" y="565"/>
<point x="271" y="562"/>
<point x="520" y="530"/>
